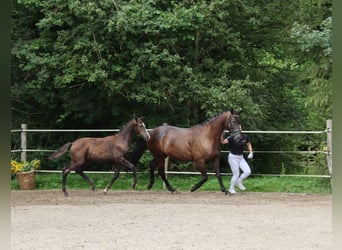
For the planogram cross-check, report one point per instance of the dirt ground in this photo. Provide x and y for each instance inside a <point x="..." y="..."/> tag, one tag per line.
<point x="161" y="220"/>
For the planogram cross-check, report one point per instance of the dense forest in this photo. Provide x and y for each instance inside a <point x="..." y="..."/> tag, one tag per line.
<point x="96" y="64"/>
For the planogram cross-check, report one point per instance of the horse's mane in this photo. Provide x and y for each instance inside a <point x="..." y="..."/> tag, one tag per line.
<point x="123" y="127"/>
<point x="211" y="118"/>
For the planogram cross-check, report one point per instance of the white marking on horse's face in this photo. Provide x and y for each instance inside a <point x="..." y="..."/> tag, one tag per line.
<point x="148" y="136"/>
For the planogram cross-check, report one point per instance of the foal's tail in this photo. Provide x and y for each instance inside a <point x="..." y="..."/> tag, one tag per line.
<point x="139" y="149"/>
<point x="60" y="151"/>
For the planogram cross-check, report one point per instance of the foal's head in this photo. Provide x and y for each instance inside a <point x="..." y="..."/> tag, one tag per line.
<point x="140" y="129"/>
<point x="234" y="124"/>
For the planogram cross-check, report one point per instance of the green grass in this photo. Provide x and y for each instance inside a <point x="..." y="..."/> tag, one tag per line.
<point x="184" y="183"/>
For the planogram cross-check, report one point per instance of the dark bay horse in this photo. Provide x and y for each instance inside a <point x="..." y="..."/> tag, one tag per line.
<point x="200" y="143"/>
<point x="111" y="149"/>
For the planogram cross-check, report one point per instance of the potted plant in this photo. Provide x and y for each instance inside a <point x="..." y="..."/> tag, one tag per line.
<point x="24" y="172"/>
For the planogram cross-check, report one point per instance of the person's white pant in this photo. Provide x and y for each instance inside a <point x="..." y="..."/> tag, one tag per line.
<point x="236" y="163"/>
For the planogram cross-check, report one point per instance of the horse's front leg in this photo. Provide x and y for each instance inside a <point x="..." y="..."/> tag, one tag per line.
<point x="161" y="172"/>
<point x="201" y="167"/>
<point x="218" y="174"/>
<point x="152" y="168"/>
<point x="115" y="176"/>
<point x="129" y="165"/>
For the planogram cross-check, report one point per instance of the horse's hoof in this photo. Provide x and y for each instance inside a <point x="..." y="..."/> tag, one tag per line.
<point x="105" y="191"/>
<point x="66" y="194"/>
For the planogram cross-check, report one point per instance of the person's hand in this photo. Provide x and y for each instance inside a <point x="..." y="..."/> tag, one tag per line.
<point x="250" y="155"/>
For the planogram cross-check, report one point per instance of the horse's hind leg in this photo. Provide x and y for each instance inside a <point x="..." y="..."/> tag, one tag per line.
<point x="87" y="178"/>
<point x="65" y="173"/>
<point x="115" y="176"/>
<point x="66" y="170"/>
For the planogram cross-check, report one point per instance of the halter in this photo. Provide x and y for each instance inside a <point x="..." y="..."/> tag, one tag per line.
<point x="229" y="123"/>
<point x="236" y="133"/>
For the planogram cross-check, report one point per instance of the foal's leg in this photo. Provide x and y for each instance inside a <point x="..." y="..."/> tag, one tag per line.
<point x="115" y="176"/>
<point x="128" y="164"/>
<point x="201" y="167"/>
<point x="65" y="172"/>
<point x="218" y="174"/>
<point x="87" y="178"/>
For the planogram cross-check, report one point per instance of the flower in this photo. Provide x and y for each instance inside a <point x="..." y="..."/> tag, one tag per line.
<point x="25" y="166"/>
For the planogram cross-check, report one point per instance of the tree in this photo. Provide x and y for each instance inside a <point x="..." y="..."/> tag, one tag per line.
<point x="86" y="64"/>
<point x="315" y="44"/>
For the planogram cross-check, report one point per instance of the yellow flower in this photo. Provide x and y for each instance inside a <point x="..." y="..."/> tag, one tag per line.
<point x="25" y="166"/>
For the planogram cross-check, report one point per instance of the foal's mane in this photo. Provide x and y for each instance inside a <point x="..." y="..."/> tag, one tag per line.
<point x="211" y="118"/>
<point x="125" y="126"/>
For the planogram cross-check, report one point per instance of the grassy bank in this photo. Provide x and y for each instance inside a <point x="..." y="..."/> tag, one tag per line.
<point x="184" y="183"/>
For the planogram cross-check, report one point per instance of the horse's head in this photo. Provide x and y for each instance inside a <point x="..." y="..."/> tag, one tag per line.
<point x="234" y="124"/>
<point x="140" y="129"/>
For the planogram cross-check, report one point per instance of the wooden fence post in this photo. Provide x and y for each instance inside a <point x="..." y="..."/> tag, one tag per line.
<point x="329" y="145"/>
<point x="23" y="142"/>
<point x="166" y="167"/>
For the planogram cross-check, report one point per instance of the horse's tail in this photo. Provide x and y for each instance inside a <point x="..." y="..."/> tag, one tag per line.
<point x="139" y="149"/>
<point x="60" y="151"/>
